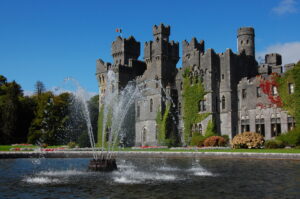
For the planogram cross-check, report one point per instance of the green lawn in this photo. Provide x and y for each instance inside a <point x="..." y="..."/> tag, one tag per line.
<point x="219" y="150"/>
<point x="8" y="147"/>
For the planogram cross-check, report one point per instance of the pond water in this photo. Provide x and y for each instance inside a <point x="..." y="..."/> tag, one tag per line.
<point x="150" y="178"/>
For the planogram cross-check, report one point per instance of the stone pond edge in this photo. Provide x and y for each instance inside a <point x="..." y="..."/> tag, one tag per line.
<point x="151" y="154"/>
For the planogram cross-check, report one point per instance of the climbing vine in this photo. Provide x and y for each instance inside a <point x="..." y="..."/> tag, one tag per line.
<point x="267" y="88"/>
<point x="162" y="124"/>
<point x="290" y="101"/>
<point x="193" y="92"/>
<point x="100" y="125"/>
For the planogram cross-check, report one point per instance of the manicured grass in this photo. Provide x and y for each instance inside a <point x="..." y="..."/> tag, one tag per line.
<point x="219" y="150"/>
<point x="8" y="147"/>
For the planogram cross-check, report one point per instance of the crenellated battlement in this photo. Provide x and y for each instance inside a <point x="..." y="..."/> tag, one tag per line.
<point x="124" y="49"/>
<point x="161" y="29"/>
<point x="193" y="45"/>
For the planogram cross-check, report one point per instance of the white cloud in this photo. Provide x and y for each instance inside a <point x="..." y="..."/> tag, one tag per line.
<point x="28" y="93"/>
<point x="285" y="7"/>
<point x="290" y="52"/>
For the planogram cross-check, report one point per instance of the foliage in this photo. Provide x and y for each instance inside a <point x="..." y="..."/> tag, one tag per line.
<point x="100" y="125"/>
<point x="291" y="138"/>
<point x="210" y="129"/>
<point x="51" y="118"/>
<point x="267" y="88"/>
<point x="291" y="102"/>
<point x="39" y="88"/>
<point x="226" y="137"/>
<point x="248" y="140"/>
<point x="71" y="145"/>
<point x="198" y="140"/>
<point x="274" y="144"/>
<point x="16" y="112"/>
<point x="214" y="141"/>
<point x="93" y="106"/>
<point x="193" y="92"/>
<point x="161" y="121"/>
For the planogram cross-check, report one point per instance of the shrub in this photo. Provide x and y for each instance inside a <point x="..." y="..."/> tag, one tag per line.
<point x="291" y="138"/>
<point x="44" y="145"/>
<point x="197" y="140"/>
<point x="248" y="140"/>
<point x="274" y="144"/>
<point x="71" y="145"/>
<point x="214" y="141"/>
<point x="226" y="137"/>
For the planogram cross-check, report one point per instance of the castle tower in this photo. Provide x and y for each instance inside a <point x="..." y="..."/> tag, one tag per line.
<point x="245" y="39"/>
<point x="161" y="32"/>
<point x="124" y="49"/>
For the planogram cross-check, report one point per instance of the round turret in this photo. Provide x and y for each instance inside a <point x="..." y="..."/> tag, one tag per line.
<point x="245" y="41"/>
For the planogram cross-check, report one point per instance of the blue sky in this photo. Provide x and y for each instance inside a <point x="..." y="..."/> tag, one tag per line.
<point x="49" y="40"/>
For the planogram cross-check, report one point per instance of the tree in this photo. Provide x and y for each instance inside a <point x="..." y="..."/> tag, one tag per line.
<point x="50" y="123"/>
<point x="39" y="88"/>
<point x="9" y="111"/>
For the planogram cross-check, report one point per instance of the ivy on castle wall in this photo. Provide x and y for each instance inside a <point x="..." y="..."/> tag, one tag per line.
<point x="100" y="126"/>
<point x="290" y="101"/>
<point x="193" y="92"/>
<point x="162" y="124"/>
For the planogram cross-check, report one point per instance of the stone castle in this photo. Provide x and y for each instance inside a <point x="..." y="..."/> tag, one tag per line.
<point x="234" y="99"/>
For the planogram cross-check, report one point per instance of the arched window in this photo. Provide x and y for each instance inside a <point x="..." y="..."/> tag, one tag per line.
<point x="151" y="105"/>
<point x="200" y="128"/>
<point x="181" y="85"/>
<point x="223" y="102"/>
<point x="202" y="105"/>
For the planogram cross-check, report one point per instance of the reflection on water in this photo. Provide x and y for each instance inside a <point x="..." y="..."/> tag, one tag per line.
<point x="151" y="178"/>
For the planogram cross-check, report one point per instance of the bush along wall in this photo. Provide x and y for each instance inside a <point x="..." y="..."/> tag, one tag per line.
<point x="193" y="92"/>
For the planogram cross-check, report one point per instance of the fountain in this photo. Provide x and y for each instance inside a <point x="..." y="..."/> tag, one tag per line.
<point x="116" y="109"/>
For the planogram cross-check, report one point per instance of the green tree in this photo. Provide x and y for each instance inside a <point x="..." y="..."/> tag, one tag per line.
<point x="51" y="119"/>
<point x="39" y="88"/>
<point x="9" y="110"/>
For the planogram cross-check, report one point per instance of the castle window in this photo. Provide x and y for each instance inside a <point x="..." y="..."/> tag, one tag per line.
<point x="223" y="102"/>
<point x="274" y="90"/>
<point x="291" y="88"/>
<point x="138" y="111"/>
<point x="258" y="92"/>
<point x="157" y="39"/>
<point x="291" y="123"/>
<point x="275" y="127"/>
<point x="181" y="85"/>
<point x="179" y="108"/>
<point x="242" y="42"/>
<point x="151" y="105"/>
<point x="247" y="41"/>
<point x="202" y="106"/>
<point x="244" y="93"/>
<point x="200" y="128"/>
<point x="260" y="126"/>
<point x="223" y="76"/>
